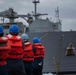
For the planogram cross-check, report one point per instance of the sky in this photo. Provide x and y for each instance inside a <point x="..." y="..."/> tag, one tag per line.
<point x="67" y="10"/>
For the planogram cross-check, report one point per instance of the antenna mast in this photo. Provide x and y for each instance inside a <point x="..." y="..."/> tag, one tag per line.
<point x="35" y="4"/>
<point x="57" y="14"/>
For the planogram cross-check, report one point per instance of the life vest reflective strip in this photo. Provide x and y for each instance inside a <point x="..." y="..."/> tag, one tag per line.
<point x="16" y="50"/>
<point x="4" y="48"/>
<point x="28" y="54"/>
<point x="39" y="50"/>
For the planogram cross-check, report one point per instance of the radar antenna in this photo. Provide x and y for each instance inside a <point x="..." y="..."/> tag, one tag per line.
<point x="36" y="15"/>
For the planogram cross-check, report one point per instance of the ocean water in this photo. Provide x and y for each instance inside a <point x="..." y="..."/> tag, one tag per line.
<point x="48" y="74"/>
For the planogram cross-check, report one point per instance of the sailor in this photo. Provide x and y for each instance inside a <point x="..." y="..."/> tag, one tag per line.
<point x="39" y="51"/>
<point x="14" y="62"/>
<point x="28" y="55"/>
<point x="4" y="48"/>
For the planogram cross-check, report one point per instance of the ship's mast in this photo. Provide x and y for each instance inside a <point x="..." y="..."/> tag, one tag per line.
<point x="57" y="15"/>
<point x="35" y="4"/>
<point x="57" y="21"/>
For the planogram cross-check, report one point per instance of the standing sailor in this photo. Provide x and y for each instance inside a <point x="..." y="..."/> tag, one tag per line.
<point x="14" y="62"/>
<point x="4" y="47"/>
<point x="38" y="56"/>
<point x="28" y="55"/>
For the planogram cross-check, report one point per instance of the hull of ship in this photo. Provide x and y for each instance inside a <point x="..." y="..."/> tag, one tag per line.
<point x="55" y="44"/>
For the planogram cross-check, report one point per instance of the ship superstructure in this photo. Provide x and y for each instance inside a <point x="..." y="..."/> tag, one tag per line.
<point x="12" y="15"/>
<point x="45" y="25"/>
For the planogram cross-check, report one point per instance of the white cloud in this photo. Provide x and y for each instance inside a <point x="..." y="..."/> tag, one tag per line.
<point x="69" y="24"/>
<point x="1" y="1"/>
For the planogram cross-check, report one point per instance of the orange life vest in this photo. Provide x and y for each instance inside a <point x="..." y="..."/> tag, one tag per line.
<point x="16" y="50"/>
<point x="4" y="48"/>
<point x="28" y="54"/>
<point x="39" y="50"/>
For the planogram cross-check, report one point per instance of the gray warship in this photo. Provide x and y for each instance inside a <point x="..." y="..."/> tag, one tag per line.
<point x="60" y="46"/>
